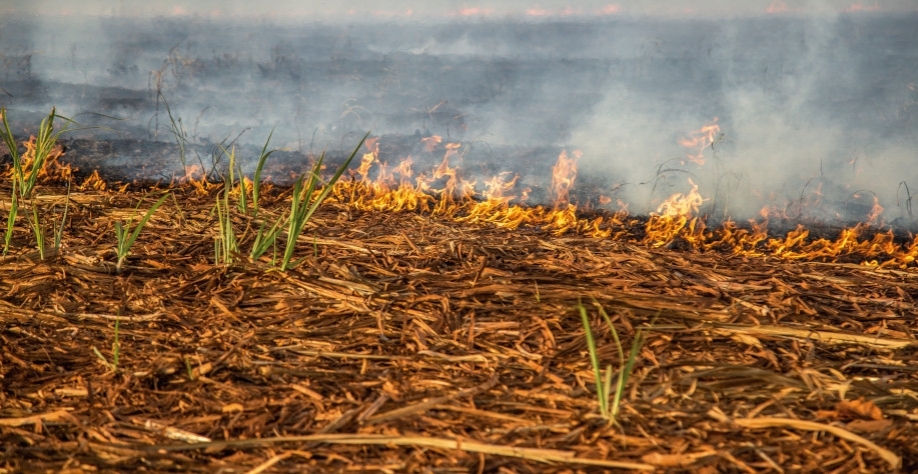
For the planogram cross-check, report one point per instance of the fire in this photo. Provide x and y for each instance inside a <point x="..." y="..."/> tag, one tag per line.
<point x="431" y="142"/>
<point x="197" y="177"/>
<point x="443" y="192"/>
<point x="698" y="141"/>
<point x="51" y="168"/>
<point x="675" y="217"/>
<point x="94" y="181"/>
<point x="876" y="211"/>
<point x="563" y="175"/>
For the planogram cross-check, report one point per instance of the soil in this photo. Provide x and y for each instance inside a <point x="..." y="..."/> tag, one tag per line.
<point x="408" y="342"/>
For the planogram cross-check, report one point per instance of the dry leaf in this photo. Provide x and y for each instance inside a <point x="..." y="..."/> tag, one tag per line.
<point x="860" y="408"/>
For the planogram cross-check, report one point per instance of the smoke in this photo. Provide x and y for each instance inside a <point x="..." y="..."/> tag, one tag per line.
<point x="373" y="10"/>
<point x="813" y="116"/>
<point x="813" y="100"/>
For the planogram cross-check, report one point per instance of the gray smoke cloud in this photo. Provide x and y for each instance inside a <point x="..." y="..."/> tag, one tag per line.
<point x="813" y="100"/>
<point x="374" y="10"/>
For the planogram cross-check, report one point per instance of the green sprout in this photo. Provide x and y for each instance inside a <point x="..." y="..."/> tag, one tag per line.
<point x="126" y="236"/>
<point x="609" y="400"/>
<point x="116" y="351"/>
<point x="25" y="174"/>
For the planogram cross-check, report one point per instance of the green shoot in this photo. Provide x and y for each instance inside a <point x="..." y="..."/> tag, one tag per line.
<point x="610" y="397"/>
<point x="243" y="202"/>
<point x="59" y="232"/>
<point x="126" y="237"/>
<point x="226" y="244"/>
<point x="25" y="175"/>
<point x="116" y="351"/>
<point x="594" y="361"/>
<point x="11" y="220"/>
<point x="178" y="131"/>
<point x="265" y="240"/>
<point x="35" y="224"/>
<point x="306" y="202"/>
<point x="256" y="181"/>
<point x="178" y="209"/>
<point x="188" y="368"/>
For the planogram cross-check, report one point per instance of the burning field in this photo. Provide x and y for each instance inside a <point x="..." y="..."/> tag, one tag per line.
<point x="611" y="243"/>
<point x="420" y="325"/>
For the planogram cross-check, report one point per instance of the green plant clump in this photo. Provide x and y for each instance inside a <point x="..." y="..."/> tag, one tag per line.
<point x="25" y="174"/>
<point x="125" y="237"/>
<point x="609" y="400"/>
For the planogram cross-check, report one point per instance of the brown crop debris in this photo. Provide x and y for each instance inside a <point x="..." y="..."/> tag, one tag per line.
<point x="417" y="343"/>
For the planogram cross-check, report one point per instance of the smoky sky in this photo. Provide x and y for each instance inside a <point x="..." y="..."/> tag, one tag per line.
<point x="356" y="9"/>
<point x="813" y="101"/>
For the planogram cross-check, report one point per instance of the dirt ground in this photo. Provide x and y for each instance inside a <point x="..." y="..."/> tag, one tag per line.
<point x="407" y="342"/>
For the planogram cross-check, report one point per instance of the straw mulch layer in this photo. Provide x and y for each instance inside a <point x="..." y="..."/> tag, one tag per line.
<point x="410" y="343"/>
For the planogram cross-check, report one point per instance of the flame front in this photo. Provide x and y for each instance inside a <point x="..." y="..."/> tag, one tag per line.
<point x="442" y="191"/>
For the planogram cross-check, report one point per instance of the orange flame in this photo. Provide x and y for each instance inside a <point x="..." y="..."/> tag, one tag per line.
<point x="563" y="175"/>
<point x="442" y="191"/>
<point x="703" y="138"/>
<point x="674" y="218"/>
<point x="873" y="218"/>
<point x="431" y="142"/>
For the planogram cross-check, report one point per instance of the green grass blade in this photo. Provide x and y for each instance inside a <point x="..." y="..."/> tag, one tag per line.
<point x="7" y="134"/>
<point x="59" y="233"/>
<point x="608" y="320"/>
<point x="625" y="372"/>
<point x="119" y="236"/>
<point x="37" y="230"/>
<point x="265" y="240"/>
<point x="11" y="220"/>
<point x="227" y="247"/>
<point x="144" y="220"/>
<point x="102" y="358"/>
<point x="594" y="359"/>
<point x="340" y="171"/>
<point x="305" y="205"/>
<point x="293" y="223"/>
<point x="243" y="194"/>
<point x="126" y="238"/>
<point x="606" y="390"/>
<point x="178" y="131"/>
<point x="256" y="181"/>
